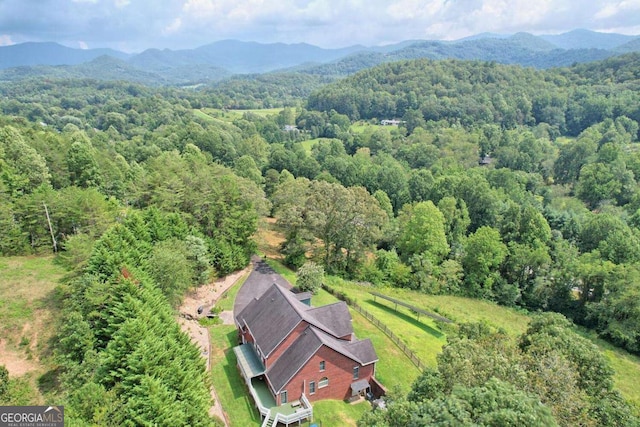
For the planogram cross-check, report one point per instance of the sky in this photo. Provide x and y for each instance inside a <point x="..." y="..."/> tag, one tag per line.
<point x="135" y="25"/>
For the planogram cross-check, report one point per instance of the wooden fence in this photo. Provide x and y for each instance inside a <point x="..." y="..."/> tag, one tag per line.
<point x="384" y="328"/>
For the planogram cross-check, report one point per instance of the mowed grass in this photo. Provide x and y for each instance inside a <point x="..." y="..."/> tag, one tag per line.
<point x="29" y="311"/>
<point x="626" y="366"/>
<point x="362" y="127"/>
<point x="231" y="389"/>
<point x="458" y="309"/>
<point x="231" y="115"/>
<point x="26" y="293"/>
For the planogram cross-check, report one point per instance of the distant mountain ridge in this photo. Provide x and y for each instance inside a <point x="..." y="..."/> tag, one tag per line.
<point x="49" y="53"/>
<point x="218" y="60"/>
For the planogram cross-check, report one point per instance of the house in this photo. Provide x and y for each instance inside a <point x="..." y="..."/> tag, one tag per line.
<point x="293" y="354"/>
<point x="390" y="122"/>
<point x="485" y="160"/>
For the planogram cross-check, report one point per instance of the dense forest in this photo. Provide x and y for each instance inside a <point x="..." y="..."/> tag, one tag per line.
<point x="504" y="183"/>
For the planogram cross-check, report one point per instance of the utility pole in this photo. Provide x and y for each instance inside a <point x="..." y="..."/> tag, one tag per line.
<point x="53" y="238"/>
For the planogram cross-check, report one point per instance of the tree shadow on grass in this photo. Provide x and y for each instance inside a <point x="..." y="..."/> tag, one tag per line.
<point x="407" y="318"/>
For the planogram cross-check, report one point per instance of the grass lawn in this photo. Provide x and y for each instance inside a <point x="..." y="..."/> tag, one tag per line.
<point x="362" y="127"/>
<point x="458" y="309"/>
<point x="626" y="365"/>
<point x="28" y="316"/>
<point x="231" y="115"/>
<point x="231" y="389"/>
<point x="309" y="143"/>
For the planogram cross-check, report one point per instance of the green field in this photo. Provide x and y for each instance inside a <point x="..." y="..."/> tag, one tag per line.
<point x="29" y="312"/>
<point x="309" y="143"/>
<point x="362" y="127"/>
<point x="458" y="309"/>
<point x="231" y="115"/>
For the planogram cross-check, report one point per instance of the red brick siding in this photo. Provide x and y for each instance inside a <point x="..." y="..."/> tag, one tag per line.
<point x="286" y="343"/>
<point x="339" y="371"/>
<point x="248" y="338"/>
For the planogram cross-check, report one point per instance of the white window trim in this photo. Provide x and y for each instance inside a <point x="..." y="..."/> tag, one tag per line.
<point x="324" y="382"/>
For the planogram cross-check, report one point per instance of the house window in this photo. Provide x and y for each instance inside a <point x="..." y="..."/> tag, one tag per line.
<point x="283" y="397"/>
<point x="324" y="381"/>
<point x="312" y="387"/>
<point x="322" y="365"/>
<point x="356" y="372"/>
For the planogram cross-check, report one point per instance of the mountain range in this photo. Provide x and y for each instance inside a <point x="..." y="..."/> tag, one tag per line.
<point x="216" y="61"/>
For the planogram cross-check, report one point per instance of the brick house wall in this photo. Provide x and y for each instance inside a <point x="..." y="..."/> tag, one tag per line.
<point x="339" y="371"/>
<point x="286" y="343"/>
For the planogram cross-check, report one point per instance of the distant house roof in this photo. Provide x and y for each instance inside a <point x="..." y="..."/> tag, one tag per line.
<point x="485" y="160"/>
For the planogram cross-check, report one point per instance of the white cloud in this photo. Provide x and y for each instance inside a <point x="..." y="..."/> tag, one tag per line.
<point x="141" y="24"/>
<point x="173" y="27"/>
<point x="83" y="45"/>
<point x="612" y="9"/>
<point x="5" y="40"/>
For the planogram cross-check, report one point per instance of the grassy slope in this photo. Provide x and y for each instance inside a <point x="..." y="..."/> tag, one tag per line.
<point x="231" y="115"/>
<point x="28" y="315"/>
<point x="626" y="365"/>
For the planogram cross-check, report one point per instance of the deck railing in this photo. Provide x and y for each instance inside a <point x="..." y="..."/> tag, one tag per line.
<point x="301" y="413"/>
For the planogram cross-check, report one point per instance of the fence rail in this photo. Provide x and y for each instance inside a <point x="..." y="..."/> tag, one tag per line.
<point x="384" y="328"/>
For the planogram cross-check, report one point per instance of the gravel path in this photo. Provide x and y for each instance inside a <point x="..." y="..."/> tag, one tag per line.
<point x="205" y="297"/>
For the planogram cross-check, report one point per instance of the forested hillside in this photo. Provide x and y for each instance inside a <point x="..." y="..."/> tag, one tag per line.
<point x="502" y="183"/>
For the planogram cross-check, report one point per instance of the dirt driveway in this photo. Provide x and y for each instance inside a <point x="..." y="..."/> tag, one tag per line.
<point x="205" y="297"/>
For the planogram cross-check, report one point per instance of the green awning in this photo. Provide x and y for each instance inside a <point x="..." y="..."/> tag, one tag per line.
<point x="248" y="361"/>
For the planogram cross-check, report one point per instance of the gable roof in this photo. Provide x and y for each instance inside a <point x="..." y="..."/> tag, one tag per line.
<point x="292" y="360"/>
<point x="270" y="318"/>
<point x="335" y="318"/>
<point x="307" y="344"/>
<point x="273" y="315"/>
<point x="360" y="351"/>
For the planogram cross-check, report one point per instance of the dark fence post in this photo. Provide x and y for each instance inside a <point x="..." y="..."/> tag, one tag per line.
<point x="367" y="315"/>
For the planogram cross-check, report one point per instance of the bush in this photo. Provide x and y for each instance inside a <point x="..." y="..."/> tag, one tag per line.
<point x="309" y="277"/>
